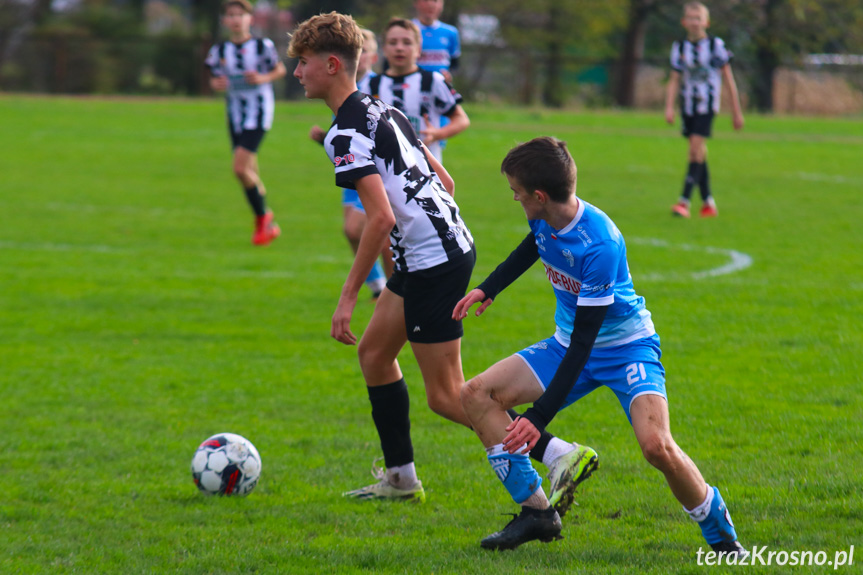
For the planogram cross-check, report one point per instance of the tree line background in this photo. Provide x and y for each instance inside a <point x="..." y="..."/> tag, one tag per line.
<point x="546" y="51"/>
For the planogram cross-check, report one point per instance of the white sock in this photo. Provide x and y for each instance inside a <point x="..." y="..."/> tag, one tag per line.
<point x="700" y="512"/>
<point x="556" y="448"/>
<point x="403" y="476"/>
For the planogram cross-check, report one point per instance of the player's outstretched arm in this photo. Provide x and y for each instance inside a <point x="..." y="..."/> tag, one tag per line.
<point x="736" y="110"/>
<point x="671" y="91"/>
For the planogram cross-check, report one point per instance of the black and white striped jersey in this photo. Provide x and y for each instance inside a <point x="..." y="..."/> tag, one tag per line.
<point x="415" y="95"/>
<point x="370" y="137"/>
<point x="249" y="107"/>
<point x="700" y="64"/>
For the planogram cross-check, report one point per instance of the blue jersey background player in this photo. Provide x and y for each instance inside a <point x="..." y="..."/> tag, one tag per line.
<point x="441" y="47"/>
<point x="604" y="336"/>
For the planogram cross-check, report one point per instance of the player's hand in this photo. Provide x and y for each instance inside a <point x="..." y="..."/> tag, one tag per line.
<point x="521" y="431"/>
<point x="254" y="79"/>
<point x="429" y="135"/>
<point x="446" y="76"/>
<point x="317" y="134"/>
<point x="737" y="121"/>
<point x="341" y="327"/>
<point x="219" y="83"/>
<point x="669" y="115"/>
<point x="474" y="296"/>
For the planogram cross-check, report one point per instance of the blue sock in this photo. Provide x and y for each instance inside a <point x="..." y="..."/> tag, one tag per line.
<point x="713" y="518"/>
<point x="515" y="472"/>
<point x="376" y="274"/>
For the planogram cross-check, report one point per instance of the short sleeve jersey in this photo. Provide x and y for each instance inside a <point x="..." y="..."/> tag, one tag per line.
<point x="440" y="45"/>
<point x="416" y="95"/>
<point x="585" y="263"/>
<point x="700" y="64"/>
<point x="370" y="137"/>
<point x="248" y="107"/>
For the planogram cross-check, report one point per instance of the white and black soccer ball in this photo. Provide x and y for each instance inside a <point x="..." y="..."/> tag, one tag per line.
<point x="226" y="464"/>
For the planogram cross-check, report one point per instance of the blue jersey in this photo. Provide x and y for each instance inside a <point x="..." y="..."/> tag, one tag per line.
<point x="440" y="45"/>
<point x="586" y="265"/>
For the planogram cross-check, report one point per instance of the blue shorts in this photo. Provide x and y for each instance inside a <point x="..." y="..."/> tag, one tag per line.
<point x="351" y="199"/>
<point x="629" y="370"/>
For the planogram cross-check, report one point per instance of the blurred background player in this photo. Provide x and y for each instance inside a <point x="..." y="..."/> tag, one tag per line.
<point x="441" y="48"/>
<point x="699" y="64"/>
<point x="354" y="214"/>
<point x="424" y="97"/>
<point x="244" y="67"/>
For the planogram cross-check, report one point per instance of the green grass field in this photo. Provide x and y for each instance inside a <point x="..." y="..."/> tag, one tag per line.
<point x="136" y="320"/>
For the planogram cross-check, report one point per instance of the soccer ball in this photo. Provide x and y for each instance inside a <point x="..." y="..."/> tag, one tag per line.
<point x="226" y="464"/>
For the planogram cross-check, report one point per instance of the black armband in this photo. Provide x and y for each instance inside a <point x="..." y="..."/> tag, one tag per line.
<point x="518" y="262"/>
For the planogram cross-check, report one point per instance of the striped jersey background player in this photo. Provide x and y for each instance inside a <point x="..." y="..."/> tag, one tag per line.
<point x="248" y="107"/>
<point x="415" y="95"/>
<point x="700" y="64"/>
<point x="370" y="137"/>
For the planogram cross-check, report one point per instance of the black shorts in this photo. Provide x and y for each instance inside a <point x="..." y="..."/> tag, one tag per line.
<point x="430" y="296"/>
<point x="248" y="139"/>
<point x="697" y="124"/>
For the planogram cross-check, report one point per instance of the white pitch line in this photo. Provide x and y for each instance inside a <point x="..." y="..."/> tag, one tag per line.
<point x="737" y="260"/>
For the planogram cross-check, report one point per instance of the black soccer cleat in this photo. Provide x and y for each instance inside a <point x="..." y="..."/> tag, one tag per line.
<point x="530" y="524"/>
<point x="730" y="548"/>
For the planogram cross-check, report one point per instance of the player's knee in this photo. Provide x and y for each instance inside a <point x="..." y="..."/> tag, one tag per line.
<point x="444" y="402"/>
<point x="660" y="451"/>
<point x="371" y="355"/>
<point x="474" y="397"/>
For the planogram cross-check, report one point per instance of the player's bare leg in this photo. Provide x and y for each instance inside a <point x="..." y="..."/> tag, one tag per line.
<point x="650" y="422"/>
<point x="378" y="351"/>
<point x="486" y="399"/>
<point x="440" y="364"/>
<point x="384" y="338"/>
<point x="246" y="170"/>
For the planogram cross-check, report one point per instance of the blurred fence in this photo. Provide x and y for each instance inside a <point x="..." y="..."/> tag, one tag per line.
<point x="164" y="65"/>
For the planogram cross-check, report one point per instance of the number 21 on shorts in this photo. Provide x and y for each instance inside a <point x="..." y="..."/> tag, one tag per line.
<point x="635" y="372"/>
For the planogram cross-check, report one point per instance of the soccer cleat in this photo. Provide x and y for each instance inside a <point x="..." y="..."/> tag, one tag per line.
<point x="708" y="211"/>
<point x="680" y="209"/>
<point x="730" y="548"/>
<point x="383" y="489"/>
<point x="529" y="525"/>
<point x="266" y="230"/>
<point x="566" y="473"/>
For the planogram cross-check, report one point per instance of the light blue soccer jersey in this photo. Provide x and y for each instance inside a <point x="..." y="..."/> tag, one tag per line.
<point x="586" y="265"/>
<point x="440" y="44"/>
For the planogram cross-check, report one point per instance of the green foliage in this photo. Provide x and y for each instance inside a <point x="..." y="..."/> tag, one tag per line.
<point x="136" y="319"/>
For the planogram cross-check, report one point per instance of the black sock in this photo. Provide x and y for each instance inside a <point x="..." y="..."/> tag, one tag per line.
<point x="704" y="184"/>
<point x="256" y="200"/>
<point x="693" y="177"/>
<point x="391" y="413"/>
<point x="539" y="449"/>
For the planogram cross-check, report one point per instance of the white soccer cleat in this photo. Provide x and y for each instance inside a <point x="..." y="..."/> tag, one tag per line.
<point x="383" y="489"/>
